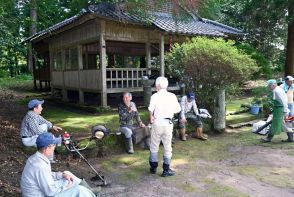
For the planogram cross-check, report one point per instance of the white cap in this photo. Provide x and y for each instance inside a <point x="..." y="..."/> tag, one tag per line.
<point x="289" y="78"/>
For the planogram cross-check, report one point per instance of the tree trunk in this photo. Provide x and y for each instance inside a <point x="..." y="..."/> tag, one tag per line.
<point x="289" y="67"/>
<point x="219" y="120"/>
<point x="33" y="30"/>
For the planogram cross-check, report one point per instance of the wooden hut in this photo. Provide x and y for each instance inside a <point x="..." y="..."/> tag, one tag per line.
<point x="106" y="50"/>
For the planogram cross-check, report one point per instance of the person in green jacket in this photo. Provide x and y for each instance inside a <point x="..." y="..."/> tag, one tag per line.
<point x="280" y="110"/>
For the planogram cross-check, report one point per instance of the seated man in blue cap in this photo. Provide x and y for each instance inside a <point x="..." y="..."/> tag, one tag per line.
<point x="280" y="110"/>
<point x="38" y="179"/>
<point x="189" y="113"/>
<point x="33" y="124"/>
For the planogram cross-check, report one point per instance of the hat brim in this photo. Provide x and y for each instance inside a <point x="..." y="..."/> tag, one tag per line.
<point x="57" y="140"/>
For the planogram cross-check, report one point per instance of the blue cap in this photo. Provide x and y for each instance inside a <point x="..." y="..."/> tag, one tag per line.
<point x="45" y="139"/>
<point x="191" y="95"/>
<point x="34" y="103"/>
<point x="271" y="82"/>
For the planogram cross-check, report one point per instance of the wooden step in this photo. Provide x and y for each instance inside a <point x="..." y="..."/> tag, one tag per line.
<point x="243" y="124"/>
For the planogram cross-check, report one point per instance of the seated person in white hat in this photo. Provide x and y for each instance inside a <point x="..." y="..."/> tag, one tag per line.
<point x="33" y="124"/>
<point x="38" y="179"/>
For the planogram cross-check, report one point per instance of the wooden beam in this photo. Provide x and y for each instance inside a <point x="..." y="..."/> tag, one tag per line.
<point x="80" y="59"/>
<point x="161" y="54"/>
<point x="102" y="60"/>
<point x="64" y="91"/>
<point x="148" y="54"/>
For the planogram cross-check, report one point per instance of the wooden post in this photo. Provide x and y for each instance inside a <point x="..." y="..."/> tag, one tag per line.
<point x="148" y="54"/>
<point x="161" y="54"/>
<point x="64" y="91"/>
<point x="219" y="120"/>
<point x="103" y="64"/>
<point x="51" y="63"/>
<point x="80" y="59"/>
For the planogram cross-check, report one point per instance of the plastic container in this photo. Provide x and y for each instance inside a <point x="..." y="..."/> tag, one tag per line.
<point x="255" y="109"/>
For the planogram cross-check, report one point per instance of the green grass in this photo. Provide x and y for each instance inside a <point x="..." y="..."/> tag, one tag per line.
<point x="20" y="82"/>
<point x="243" y="117"/>
<point x="280" y="177"/>
<point x="219" y="190"/>
<point x="235" y="105"/>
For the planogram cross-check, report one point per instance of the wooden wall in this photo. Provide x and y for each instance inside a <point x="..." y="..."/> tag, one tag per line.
<point x="85" y="33"/>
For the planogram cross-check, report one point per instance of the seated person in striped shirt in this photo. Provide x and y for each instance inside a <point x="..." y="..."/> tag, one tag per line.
<point x="34" y="124"/>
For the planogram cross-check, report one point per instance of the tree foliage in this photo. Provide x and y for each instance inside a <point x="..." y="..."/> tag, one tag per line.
<point x="207" y="65"/>
<point x="264" y="21"/>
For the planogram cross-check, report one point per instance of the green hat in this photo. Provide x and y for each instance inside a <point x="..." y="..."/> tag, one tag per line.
<point x="271" y="82"/>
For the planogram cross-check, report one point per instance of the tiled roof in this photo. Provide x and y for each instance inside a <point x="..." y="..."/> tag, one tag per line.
<point x="162" y="21"/>
<point x="57" y="26"/>
<point x="167" y="23"/>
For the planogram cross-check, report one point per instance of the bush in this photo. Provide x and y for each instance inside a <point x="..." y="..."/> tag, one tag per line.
<point x="207" y="65"/>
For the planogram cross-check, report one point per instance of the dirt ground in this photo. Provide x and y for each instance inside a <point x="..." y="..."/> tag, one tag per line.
<point x="245" y="170"/>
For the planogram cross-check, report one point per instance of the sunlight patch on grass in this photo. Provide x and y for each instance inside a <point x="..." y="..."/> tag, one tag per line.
<point x="128" y="160"/>
<point x="178" y="162"/>
<point x="235" y="105"/>
<point x="243" y="117"/>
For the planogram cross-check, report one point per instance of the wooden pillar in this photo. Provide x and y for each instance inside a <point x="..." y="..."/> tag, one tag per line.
<point x="51" y="65"/>
<point x="64" y="91"/>
<point x="148" y="55"/>
<point x="80" y="59"/>
<point x="34" y="72"/>
<point x="103" y="64"/>
<point x="161" y="54"/>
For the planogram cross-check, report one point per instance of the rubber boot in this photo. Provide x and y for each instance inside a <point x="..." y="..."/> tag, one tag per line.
<point x="153" y="167"/>
<point x="167" y="171"/>
<point x="129" y="145"/>
<point x="183" y="134"/>
<point x="290" y="137"/>
<point x="201" y="136"/>
<point x="268" y="138"/>
<point x="95" y="190"/>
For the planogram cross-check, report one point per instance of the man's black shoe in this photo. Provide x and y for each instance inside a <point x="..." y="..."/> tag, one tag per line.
<point x="153" y="170"/>
<point x="168" y="172"/>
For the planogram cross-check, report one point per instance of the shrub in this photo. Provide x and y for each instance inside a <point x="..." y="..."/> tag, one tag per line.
<point x="207" y="65"/>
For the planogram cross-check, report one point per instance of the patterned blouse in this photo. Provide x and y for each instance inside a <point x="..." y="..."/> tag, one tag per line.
<point x="128" y="115"/>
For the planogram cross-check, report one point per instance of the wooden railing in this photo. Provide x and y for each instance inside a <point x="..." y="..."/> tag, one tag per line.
<point x="117" y="79"/>
<point x="125" y="78"/>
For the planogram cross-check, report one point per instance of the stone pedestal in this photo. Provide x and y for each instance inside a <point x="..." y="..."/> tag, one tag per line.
<point x="147" y="90"/>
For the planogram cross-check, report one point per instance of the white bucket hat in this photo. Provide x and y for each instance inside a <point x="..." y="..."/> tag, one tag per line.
<point x="289" y="78"/>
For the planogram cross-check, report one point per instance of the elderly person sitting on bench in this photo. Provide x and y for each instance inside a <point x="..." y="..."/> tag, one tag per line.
<point x="129" y="121"/>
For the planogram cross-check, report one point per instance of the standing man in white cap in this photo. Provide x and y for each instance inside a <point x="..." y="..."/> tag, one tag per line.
<point x="33" y="124"/>
<point x="163" y="105"/>
<point x="280" y="110"/>
<point x="288" y="87"/>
